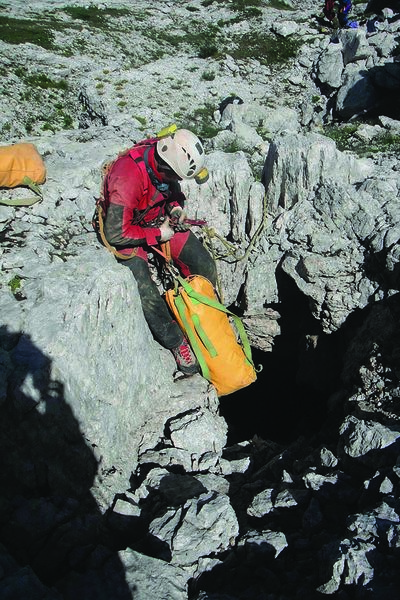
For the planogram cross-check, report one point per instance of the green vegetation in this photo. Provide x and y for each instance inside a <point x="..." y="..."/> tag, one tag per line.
<point x="40" y="30"/>
<point x="15" y="284"/>
<point x="268" y="49"/>
<point x="280" y="5"/>
<point x="22" y="31"/>
<point x="67" y="121"/>
<point x="341" y="135"/>
<point x="141" y="120"/>
<point x="344" y="137"/>
<point x="49" y="97"/>
<point x="209" y="41"/>
<point x="206" y="40"/>
<point x="250" y="8"/>
<point x="208" y="76"/>
<point x="236" y="5"/>
<point x="94" y="16"/>
<point x="45" y="83"/>
<point x="200" y="121"/>
<point x="232" y="147"/>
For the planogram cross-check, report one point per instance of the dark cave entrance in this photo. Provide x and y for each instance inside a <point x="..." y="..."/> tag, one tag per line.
<point x="289" y="398"/>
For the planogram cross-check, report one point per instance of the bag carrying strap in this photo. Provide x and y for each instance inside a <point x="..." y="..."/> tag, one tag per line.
<point x="28" y="182"/>
<point x="165" y="251"/>
<point x="180" y="306"/>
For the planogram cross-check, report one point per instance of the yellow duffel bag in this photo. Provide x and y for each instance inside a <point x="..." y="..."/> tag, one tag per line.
<point x="21" y="165"/>
<point x="224" y="357"/>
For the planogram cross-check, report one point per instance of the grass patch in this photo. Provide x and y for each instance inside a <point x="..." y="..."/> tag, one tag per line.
<point x="232" y="147"/>
<point x="235" y="5"/>
<point x="95" y="16"/>
<point x="345" y="139"/>
<point x="280" y="5"/>
<point x="267" y="49"/>
<point x="45" y="83"/>
<point x="207" y="40"/>
<point x="208" y="76"/>
<point x="22" y="31"/>
<point x="15" y="284"/>
<point x="200" y="121"/>
<point x="141" y="120"/>
<point x="211" y="41"/>
<point x="341" y="135"/>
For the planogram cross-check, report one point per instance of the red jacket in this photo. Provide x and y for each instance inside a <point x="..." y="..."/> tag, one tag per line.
<point x="133" y="205"/>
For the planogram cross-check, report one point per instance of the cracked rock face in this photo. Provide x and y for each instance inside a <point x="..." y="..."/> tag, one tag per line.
<point x="119" y="477"/>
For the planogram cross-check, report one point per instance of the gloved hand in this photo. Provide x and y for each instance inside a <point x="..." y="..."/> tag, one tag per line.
<point x="179" y="215"/>
<point x="166" y="231"/>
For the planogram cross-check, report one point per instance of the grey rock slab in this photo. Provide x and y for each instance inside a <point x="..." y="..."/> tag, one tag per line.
<point x="350" y="565"/>
<point x="264" y="540"/>
<point x="360" y="436"/>
<point x="330" y="66"/>
<point x="198" y="431"/>
<point x="90" y="326"/>
<point x="153" y="579"/>
<point x="297" y="164"/>
<point x="203" y="526"/>
<point x="355" y="45"/>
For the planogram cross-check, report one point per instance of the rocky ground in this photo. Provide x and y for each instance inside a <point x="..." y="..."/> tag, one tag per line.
<point x="142" y="486"/>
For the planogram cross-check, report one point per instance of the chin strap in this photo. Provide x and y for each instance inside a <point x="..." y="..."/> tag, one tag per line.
<point x="159" y="185"/>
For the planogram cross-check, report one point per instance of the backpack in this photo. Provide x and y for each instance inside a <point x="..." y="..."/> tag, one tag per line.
<point x="224" y="361"/>
<point x="21" y="165"/>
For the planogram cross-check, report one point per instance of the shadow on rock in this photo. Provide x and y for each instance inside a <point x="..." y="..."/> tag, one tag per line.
<point x="49" y="521"/>
<point x="370" y="93"/>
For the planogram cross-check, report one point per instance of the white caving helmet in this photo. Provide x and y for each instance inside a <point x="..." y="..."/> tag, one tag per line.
<point x="184" y="153"/>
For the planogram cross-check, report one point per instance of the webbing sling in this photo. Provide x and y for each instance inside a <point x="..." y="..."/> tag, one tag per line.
<point x="28" y="182"/>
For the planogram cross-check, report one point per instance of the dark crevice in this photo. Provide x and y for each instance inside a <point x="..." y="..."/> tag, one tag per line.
<point x="289" y="398"/>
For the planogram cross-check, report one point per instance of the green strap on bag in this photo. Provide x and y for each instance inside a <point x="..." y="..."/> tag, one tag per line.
<point x="180" y="305"/>
<point x="217" y="305"/>
<point x="27" y="181"/>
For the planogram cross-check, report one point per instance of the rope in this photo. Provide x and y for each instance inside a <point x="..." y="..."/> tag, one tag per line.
<point x="211" y="233"/>
<point x="258" y="231"/>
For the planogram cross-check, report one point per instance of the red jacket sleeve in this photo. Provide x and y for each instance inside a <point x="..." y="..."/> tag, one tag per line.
<point x="124" y="190"/>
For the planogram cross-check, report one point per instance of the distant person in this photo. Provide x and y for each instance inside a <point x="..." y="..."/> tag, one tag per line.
<point x="338" y="14"/>
<point x="144" y="206"/>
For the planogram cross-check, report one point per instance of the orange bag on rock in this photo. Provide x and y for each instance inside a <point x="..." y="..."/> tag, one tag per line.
<point x="21" y="165"/>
